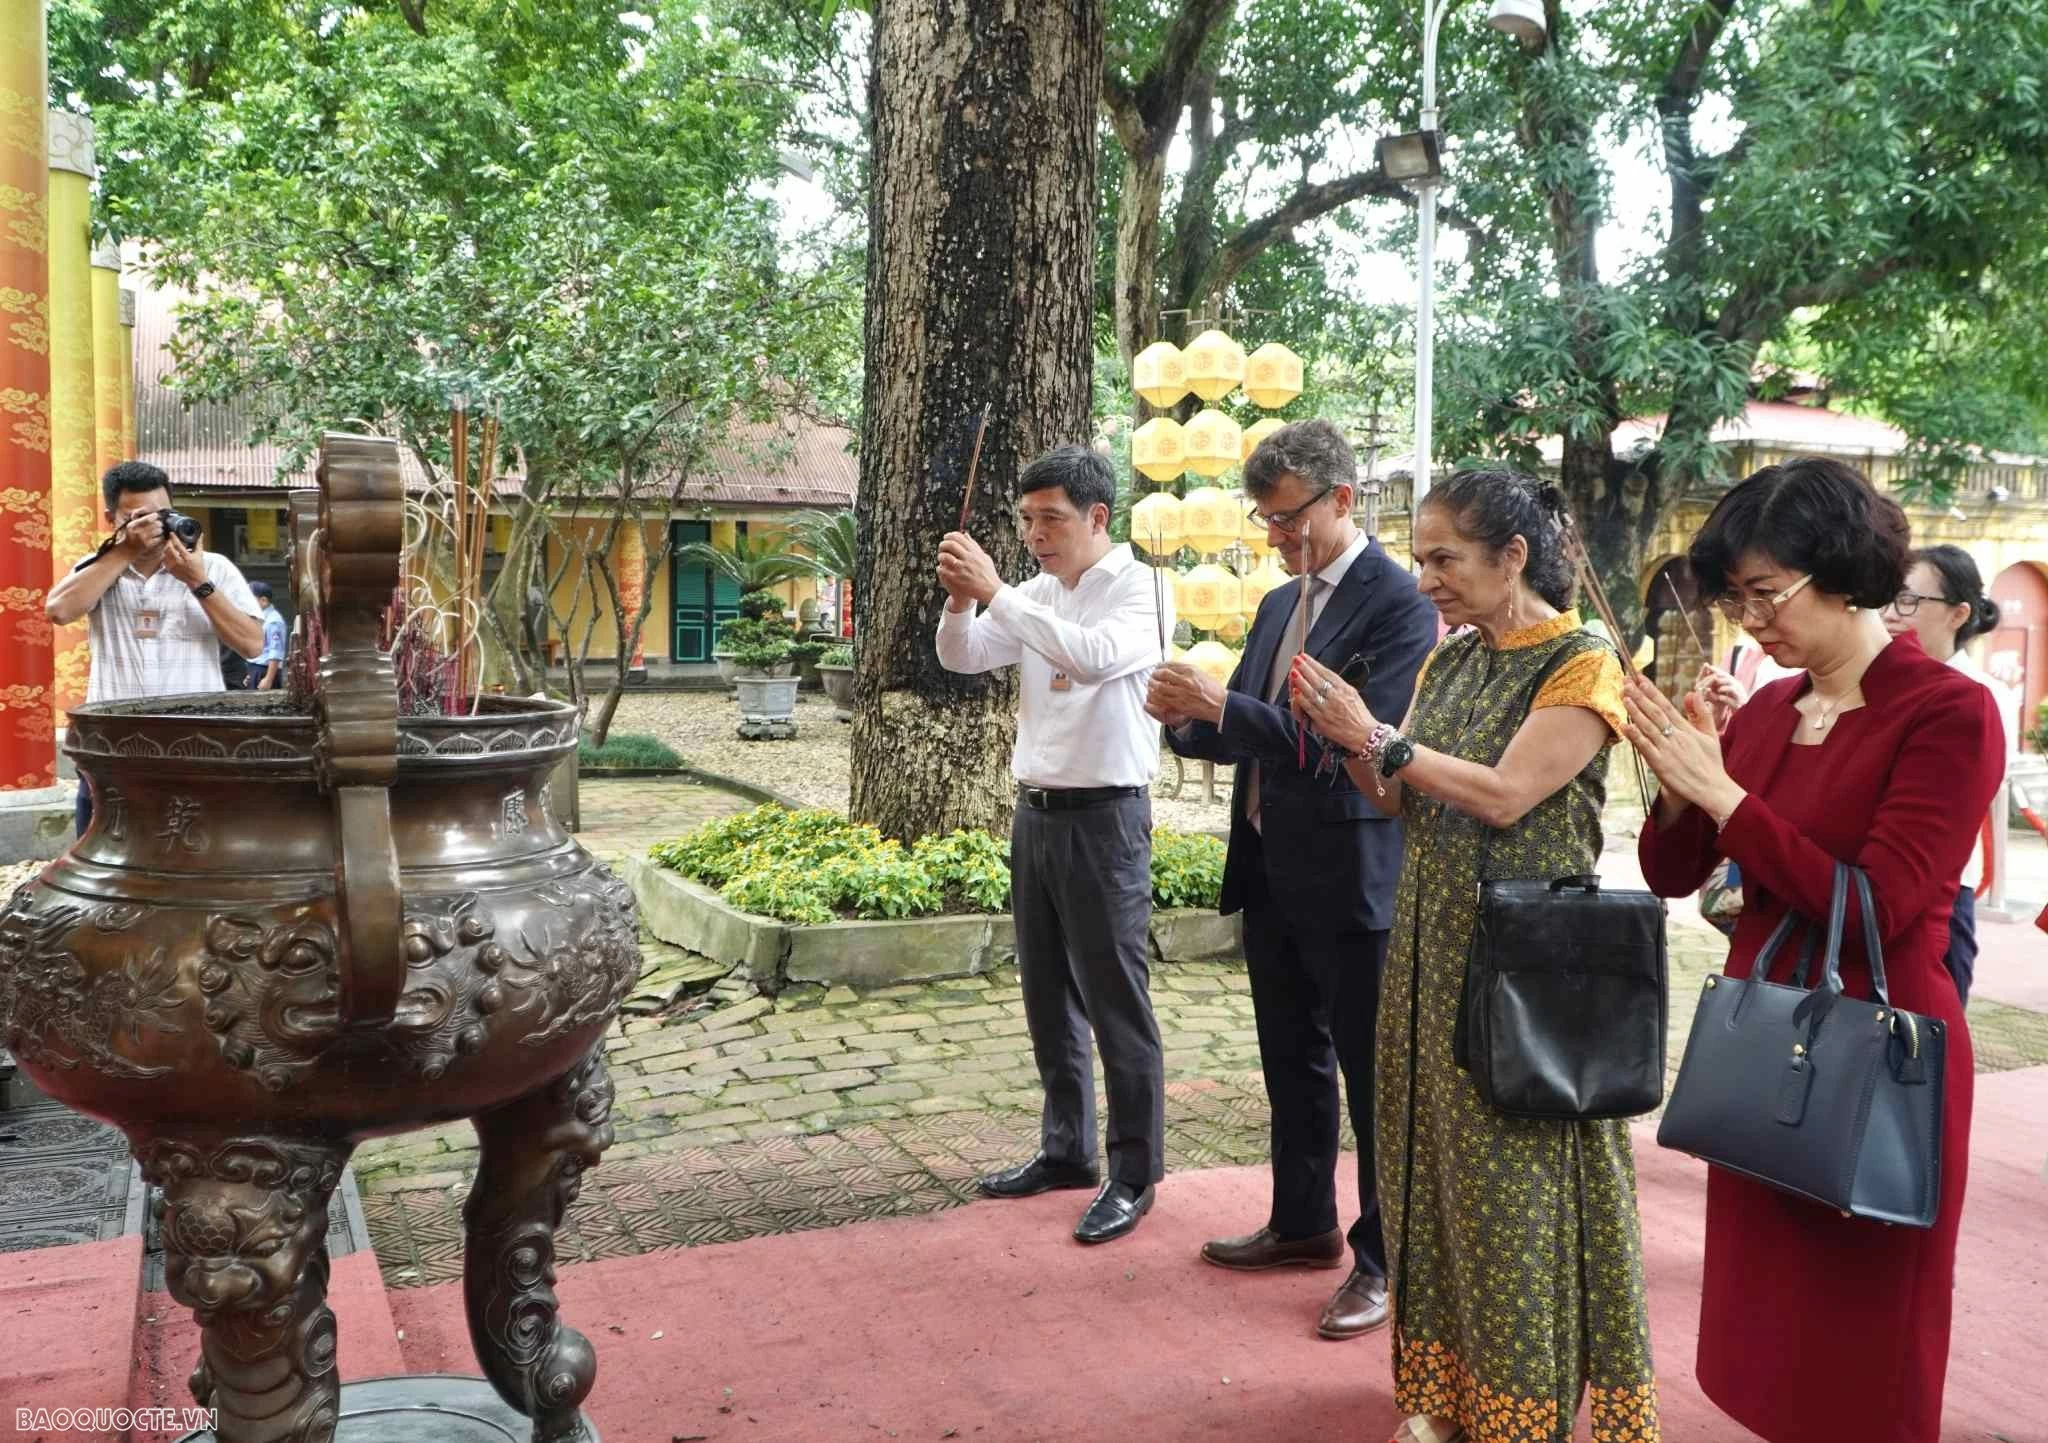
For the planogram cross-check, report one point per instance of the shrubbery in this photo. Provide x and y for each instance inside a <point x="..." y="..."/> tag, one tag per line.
<point x="815" y="866"/>
<point x="627" y="749"/>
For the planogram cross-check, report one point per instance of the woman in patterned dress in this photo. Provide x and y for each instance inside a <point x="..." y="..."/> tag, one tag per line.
<point x="1514" y="1245"/>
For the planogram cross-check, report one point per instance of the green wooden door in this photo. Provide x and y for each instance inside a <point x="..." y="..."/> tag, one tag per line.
<point x="701" y="602"/>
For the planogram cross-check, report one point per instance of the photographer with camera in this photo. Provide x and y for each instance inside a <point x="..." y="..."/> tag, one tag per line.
<point x="158" y="604"/>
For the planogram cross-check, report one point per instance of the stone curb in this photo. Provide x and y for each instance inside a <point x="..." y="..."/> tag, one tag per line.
<point x="772" y="954"/>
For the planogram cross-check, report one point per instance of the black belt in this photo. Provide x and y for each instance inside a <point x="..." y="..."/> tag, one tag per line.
<point x="1060" y="799"/>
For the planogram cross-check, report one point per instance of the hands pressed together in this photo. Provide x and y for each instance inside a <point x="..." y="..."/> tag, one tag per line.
<point x="1683" y="747"/>
<point x="1327" y="704"/>
<point x="1179" y="694"/>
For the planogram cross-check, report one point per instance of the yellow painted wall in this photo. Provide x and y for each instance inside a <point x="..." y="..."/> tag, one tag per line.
<point x="655" y="635"/>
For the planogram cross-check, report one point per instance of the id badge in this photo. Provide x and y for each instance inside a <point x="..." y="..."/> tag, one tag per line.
<point x="1062" y="682"/>
<point x="149" y="625"/>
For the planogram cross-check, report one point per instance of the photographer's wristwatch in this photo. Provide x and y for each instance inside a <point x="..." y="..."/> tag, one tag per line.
<point x="203" y="590"/>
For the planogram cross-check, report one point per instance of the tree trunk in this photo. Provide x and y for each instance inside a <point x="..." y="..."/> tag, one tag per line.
<point x="1137" y="251"/>
<point x="1619" y="504"/>
<point x="979" y="290"/>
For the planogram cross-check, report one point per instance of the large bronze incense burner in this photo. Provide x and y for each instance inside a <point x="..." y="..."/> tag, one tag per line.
<point x="287" y="932"/>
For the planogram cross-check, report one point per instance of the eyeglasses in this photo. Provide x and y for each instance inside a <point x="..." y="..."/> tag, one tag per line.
<point x="1286" y="521"/>
<point x="1908" y="602"/>
<point x="1759" y="611"/>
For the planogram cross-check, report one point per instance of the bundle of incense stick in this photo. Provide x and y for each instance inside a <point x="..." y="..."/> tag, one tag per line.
<point x="1576" y="544"/>
<point x="1308" y="581"/>
<point x="1706" y="652"/>
<point x="973" y="464"/>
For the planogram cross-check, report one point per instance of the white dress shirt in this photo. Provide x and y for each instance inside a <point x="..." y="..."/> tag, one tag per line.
<point x="1086" y="653"/>
<point x="152" y="637"/>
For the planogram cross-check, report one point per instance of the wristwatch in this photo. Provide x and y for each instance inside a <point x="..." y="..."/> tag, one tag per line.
<point x="1398" y="752"/>
<point x="203" y="590"/>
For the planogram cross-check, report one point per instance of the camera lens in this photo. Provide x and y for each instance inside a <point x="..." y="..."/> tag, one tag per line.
<point x="181" y="526"/>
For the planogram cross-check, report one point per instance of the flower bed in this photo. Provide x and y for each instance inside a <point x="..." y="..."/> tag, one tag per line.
<point x="813" y="867"/>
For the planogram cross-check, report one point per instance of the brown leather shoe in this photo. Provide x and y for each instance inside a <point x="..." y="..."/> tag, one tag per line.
<point x="1265" y="1249"/>
<point x="1358" y="1307"/>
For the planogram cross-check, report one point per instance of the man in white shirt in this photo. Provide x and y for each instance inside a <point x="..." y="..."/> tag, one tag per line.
<point x="1085" y="635"/>
<point x="158" y="609"/>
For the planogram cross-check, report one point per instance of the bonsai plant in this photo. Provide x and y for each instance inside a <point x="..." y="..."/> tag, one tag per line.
<point x="835" y="670"/>
<point x="805" y="654"/>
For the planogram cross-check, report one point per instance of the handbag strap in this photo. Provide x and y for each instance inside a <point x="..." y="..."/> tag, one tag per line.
<point x="1873" y="945"/>
<point x="1551" y="663"/>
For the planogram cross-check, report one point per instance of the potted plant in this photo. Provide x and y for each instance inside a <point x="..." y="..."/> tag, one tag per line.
<point x="759" y="623"/>
<point x="805" y="654"/>
<point x="835" y="670"/>
<point x="766" y="689"/>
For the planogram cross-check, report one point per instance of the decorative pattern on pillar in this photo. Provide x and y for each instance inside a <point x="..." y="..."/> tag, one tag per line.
<point x="108" y="370"/>
<point x="27" y="754"/>
<point x="127" y="372"/>
<point x="74" y="485"/>
<point x="632" y="585"/>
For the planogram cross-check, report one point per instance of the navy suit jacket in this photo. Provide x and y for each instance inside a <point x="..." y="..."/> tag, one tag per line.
<point x="1326" y="851"/>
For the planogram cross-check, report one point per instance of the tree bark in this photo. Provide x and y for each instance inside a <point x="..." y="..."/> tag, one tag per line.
<point x="979" y="292"/>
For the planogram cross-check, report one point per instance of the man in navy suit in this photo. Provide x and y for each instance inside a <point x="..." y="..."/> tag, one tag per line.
<point x="1312" y="863"/>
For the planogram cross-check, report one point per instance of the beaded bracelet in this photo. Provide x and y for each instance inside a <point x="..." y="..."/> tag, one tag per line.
<point x="1375" y="744"/>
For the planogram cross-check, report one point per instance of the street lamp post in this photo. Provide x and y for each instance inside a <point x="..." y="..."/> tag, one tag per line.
<point x="1417" y="159"/>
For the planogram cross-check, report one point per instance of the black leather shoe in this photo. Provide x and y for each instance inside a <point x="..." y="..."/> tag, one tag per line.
<point x="1114" y="1212"/>
<point x="1028" y="1179"/>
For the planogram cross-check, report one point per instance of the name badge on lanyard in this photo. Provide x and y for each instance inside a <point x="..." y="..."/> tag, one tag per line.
<point x="149" y="625"/>
<point x="1062" y="682"/>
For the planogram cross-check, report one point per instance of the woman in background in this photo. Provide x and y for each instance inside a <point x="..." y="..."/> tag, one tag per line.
<point x="1943" y="603"/>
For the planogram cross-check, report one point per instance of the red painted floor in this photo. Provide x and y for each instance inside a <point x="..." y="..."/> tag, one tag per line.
<point x="990" y="1322"/>
<point x="988" y="1325"/>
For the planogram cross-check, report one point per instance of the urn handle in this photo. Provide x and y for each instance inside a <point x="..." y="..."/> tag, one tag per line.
<point x="345" y="572"/>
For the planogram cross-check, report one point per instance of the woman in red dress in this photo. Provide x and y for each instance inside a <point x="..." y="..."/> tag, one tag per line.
<point x="1816" y="1328"/>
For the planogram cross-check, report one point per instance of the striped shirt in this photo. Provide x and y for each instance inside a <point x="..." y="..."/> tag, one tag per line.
<point x="152" y="637"/>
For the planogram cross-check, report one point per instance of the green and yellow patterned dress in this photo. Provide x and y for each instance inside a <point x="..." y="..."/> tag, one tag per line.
<point x="1517" y="1257"/>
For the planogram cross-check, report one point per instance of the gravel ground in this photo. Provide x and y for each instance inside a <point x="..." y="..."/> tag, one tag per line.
<point x="813" y="767"/>
<point x="13" y="874"/>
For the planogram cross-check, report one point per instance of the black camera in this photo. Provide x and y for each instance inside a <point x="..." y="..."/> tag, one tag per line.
<point x="178" y="524"/>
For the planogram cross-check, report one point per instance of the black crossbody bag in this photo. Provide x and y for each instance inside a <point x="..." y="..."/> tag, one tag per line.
<point x="1829" y="1097"/>
<point x="1564" y="1007"/>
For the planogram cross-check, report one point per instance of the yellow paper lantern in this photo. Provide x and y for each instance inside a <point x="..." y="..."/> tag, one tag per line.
<point x="1213" y="659"/>
<point x="1272" y="376"/>
<point x="1267" y="576"/>
<point x="1232" y="629"/>
<point x="1155" y="524"/>
<point x="1253" y="537"/>
<point x="1259" y="431"/>
<point x="1212" y="443"/>
<point x="1209" y="519"/>
<point x="1159" y="374"/>
<point x="1159" y="448"/>
<point x="1207" y="596"/>
<point x="1215" y="365"/>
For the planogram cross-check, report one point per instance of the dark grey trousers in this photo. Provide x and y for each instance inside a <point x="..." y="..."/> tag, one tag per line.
<point x="1081" y="893"/>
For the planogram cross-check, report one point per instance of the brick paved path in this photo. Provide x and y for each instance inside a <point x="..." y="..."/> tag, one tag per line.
<point x="754" y="1115"/>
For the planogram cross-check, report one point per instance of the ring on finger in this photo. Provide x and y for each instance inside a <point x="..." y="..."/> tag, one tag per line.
<point x="1666" y="729"/>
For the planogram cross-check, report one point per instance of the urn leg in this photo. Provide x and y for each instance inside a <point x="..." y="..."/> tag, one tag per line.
<point x="244" y="1225"/>
<point x="533" y="1152"/>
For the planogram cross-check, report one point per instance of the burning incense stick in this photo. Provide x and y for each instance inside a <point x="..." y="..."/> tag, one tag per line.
<point x="1159" y="595"/>
<point x="973" y="464"/>
<point x="1679" y="602"/>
